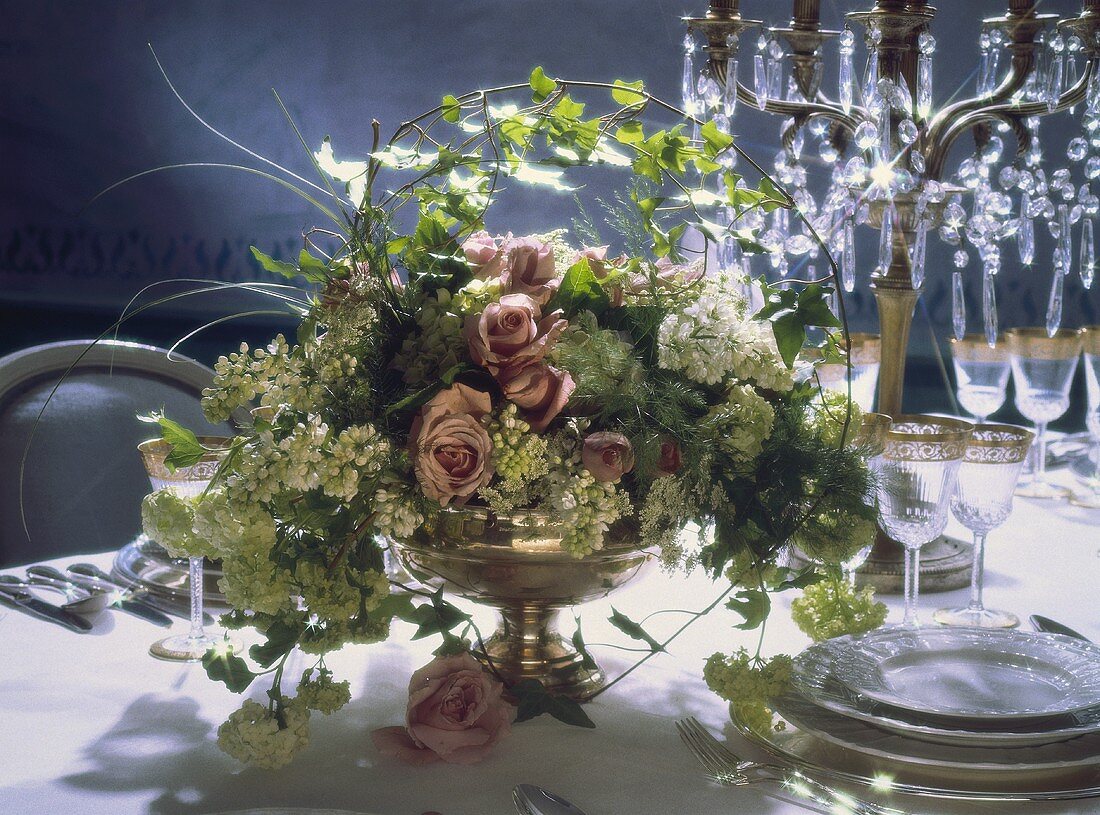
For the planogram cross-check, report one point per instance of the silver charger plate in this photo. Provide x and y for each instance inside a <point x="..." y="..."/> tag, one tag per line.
<point x="859" y="737"/>
<point x="291" y="811"/>
<point x="984" y="678"/>
<point x="834" y="696"/>
<point x="799" y="749"/>
<point x="145" y="564"/>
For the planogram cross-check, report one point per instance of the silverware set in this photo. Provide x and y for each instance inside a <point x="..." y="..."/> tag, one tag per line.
<point x="86" y="592"/>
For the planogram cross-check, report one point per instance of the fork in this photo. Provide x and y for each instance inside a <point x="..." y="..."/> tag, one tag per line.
<point x="724" y="767"/>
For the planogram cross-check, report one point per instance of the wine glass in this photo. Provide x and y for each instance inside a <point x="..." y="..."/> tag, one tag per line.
<point x="1087" y="466"/>
<point x="994" y="457"/>
<point x="870" y="440"/>
<point x="981" y="374"/>
<point x="1042" y="369"/>
<point x="917" y="477"/>
<point x="865" y="357"/>
<point x="186" y="482"/>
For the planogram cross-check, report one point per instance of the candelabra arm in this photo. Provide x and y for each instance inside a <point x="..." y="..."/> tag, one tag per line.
<point x="805" y="110"/>
<point x="1008" y="111"/>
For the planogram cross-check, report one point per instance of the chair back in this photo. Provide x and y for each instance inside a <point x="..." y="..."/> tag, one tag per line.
<point x="83" y="480"/>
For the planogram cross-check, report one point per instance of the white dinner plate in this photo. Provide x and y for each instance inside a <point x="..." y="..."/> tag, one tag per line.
<point x="833" y="695"/>
<point x="984" y="678"/>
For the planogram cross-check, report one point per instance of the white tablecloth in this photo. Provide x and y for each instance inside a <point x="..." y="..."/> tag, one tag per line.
<point x="91" y="724"/>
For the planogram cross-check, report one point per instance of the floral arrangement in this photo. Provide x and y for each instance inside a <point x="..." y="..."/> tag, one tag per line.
<point x="439" y="365"/>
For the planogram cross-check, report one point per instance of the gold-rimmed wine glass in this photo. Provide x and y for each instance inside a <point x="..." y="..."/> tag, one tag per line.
<point x="981" y="374"/>
<point x="994" y="457"/>
<point x="1087" y="467"/>
<point x="866" y="357"/>
<point x="870" y="440"/>
<point x="186" y="482"/>
<point x="1042" y="370"/>
<point x="920" y="462"/>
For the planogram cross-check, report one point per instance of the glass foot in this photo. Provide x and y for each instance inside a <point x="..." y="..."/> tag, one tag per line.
<point x="981" y="618"/>
<point x="183" y="648"/>
<point x="1087" y="500"/>
<point x="1041" y="489"/>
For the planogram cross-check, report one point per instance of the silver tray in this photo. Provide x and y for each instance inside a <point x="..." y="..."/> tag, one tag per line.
<point x="799" y="749"/>
<point x="974" y="678"/>
<point x="146" y="564"/>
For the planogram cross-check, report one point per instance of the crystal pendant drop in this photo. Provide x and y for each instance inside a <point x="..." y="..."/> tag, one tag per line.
<point x="983" y="64"/>
<point x="1088" y="253"/>
<point x="1054" y="72"/>
<point x="1054" y="305"/>
<point x="775" y="70"/>
<point x="907" y="131"/>
<point x="729" y="91"/>
<point x="687" y="82"/>
<point x="1065" y="239"/>
<point x="1025" y="237"/>
<point x="847" y="45"/>
<point x="920" y="250"/>
<point x="927" y="45"/>
<point x="870" y="72"/>
<point x="886" y="240"/>
<point x="989" y="309"/>
<point x="866" y="135"/>
<point x="760" y="81"/>
<point x="958" y="305"/>
<point x="848" y="260"/>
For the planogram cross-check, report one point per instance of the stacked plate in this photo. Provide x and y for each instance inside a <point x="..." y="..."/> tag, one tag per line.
<point x="988" y="713"/>
<point x="143" y="563"/>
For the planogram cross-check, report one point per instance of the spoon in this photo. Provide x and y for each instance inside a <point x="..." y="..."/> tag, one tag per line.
<point x="49" y="576"/>
<point x="89" y="571"/>
<point x="86" y="603"/>
<point x="532" y="800"/>
<point x="1049" y="626"/>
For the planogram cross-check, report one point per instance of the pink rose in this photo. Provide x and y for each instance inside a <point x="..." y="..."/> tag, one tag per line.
<point x="455" y="713"/>
<point x="483" y="255"/>
<point x="607" y="455"/>
<point x="511" y="334"/>
<point x="669" y="462"/>
<point x="529" y="269"/>
<point x="449" y="447"/>
<point x="541" y="390"/>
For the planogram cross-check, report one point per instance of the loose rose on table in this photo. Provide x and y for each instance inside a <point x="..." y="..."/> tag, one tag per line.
<point x="455" y="714"/>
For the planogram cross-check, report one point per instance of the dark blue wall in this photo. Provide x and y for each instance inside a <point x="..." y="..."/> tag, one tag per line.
<point x="82" y="105"/>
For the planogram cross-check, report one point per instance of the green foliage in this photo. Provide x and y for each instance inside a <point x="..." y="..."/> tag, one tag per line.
<point x="533" y="699"/>
<point x="753" y="605"/>
<point x="633" y="629"/>
<point x="308" y="267"/>
<point x="579" y="291"/>
<point x="185" y="448"/>
<point x="436" y="617"/>
<point x="224" y="666"/>
<point x="791" y="311"/>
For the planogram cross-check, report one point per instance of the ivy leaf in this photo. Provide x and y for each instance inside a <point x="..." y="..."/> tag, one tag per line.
<point x="397" y="604"/>
<point x="714" y="140"/>
<point x="753" y="605"/>
<point x="541" y="85"/>
<point x="312" y="269"/>
<point x="228" y="668"/>
<point x="437" y="617"/>
<point x="451" y="108"/>
<point x="533" y="699"/>
<point x="633" y="630"/>
<point x="186" y="449"/>
<point x="628" y="93"/>
<point x="580" y="290"/>
<point x="422" y="396"/>
<point x="774" y="198"/>
<point x="281" y="638"/>
<point x="800" y="579"/>
<point x="790" y="335"/>
<point x="630" y="133"/>
<point x="587" y="662"/>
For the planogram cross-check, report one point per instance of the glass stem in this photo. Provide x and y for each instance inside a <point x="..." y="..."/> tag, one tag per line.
<point x="977" y="575"/>
<point x="1041" y="455"/>
<point x="912" y="586"/>
<point x="195" y="580"/>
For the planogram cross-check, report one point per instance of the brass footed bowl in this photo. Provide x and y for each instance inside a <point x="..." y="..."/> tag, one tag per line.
<point x="515" y="564"/>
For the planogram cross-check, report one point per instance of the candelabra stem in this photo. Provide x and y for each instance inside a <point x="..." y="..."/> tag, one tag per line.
<point x="896" y="303"/>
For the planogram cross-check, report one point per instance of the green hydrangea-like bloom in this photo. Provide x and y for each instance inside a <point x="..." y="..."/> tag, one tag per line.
<point x="742" y="424"/>
<point x="255" y="735"/>
<point x="834" y="607"/>
<point x="169" y="520"/>
<point x="322" y="694"/>
<point x="518" y="454"/>
<point x="749" y="685"/>
<point x="826" y="415"/>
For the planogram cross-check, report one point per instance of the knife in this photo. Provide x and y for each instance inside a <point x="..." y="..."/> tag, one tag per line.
<point x="29" y="604"/>
<point x="1049" y="626"/>
<point x="86" y="571"/>
<point x="51" y="576"/>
